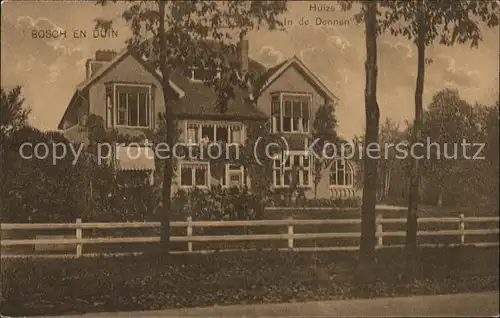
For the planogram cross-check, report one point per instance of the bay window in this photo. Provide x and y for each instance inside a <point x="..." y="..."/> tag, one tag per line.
<point x="295" y="169"/>
<point x="290" y="112"/>
<point x="229" y="133"/>
<point x="133" y="105"/>
<point x="341" y="174"/>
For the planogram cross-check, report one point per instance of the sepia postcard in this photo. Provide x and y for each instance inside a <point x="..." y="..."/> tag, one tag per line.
<point x="249" y="158"/>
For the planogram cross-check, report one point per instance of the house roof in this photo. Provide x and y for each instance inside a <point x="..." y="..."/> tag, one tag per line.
<point x="111" y="64"/>
<point x="80" y="88"/>
<point x="273" y="73"/>
<point x="201" y="99"/>
<point x="262" y="80"/>
<point x="198" y="93"/>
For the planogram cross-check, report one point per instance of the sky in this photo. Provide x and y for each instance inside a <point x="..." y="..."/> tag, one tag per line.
<point x="49" y="69"/>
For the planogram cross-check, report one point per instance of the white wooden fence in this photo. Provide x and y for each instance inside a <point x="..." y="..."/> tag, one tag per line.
<point x="78" y="241"/>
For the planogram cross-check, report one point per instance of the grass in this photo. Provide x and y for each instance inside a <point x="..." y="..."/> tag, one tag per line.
<point x="58" y="287"/>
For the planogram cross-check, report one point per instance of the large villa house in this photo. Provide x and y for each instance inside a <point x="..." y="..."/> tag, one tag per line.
<point x="126" y="93"/>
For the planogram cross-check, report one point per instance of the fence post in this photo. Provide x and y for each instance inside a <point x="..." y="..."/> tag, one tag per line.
<point x="379" y="230"/>
<point x="290" y="232"/>
<point x="79" y="237"/>
<point x="461" y="227"/>
<point x="190" y="233"/>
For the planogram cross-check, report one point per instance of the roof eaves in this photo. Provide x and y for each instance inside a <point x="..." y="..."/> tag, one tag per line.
<point x="71" y="102"/>
<point x="315" y="79"/>
<point x="272" y="74"/>
<point x="280" y="69"/>
<point x="114" y="61"/>
<point x="102" y="70"/>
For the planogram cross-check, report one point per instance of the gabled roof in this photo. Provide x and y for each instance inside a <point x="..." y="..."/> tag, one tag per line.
<point x="264" y="78"/>
<point x="107" y="67"/>
<point x="80" y="88"/>
<point x="273" y="73"/>
<point x="201" y="98"/>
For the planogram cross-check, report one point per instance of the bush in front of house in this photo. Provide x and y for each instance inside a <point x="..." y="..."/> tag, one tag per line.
<point x="36" y="189"/>
<point x="286" y="198"/>
<point x="217" y="204"/>
<point x="124" y="199"/>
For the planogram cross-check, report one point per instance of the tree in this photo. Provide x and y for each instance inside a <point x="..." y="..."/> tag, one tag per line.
<point x="449" y="119"/>
<point x="177" y="34"/>
<point x="390" y="135"/>
<point x="423" y="22"/>
<point x="372" y="115"/>
<point x="13" y="117"/>
<point x="491" y="121"/>
<point x="55" y="192"/>
<point x="324" y="131"/>
<point x="391" y="167"/>
<point x="13" y="113"/>
<point x="368" y="13"/>
<point x="456" y="176"/>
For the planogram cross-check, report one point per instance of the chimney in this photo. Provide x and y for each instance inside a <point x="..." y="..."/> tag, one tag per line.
<point x="243" y="54"/>
<point x="101" y="58"/>
<point x="105" y="55"/>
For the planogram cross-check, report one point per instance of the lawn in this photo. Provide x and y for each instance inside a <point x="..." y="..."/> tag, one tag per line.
<point x="58" y="287"/>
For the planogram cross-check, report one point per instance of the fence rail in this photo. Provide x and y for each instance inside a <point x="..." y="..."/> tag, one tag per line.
<point x="290" y="235"/>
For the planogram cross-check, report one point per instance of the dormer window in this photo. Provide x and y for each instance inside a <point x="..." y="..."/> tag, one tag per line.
<point x="133" y="105"/>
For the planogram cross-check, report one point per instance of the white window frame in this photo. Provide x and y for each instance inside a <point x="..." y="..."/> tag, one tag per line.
<point x="193" y="165"/>
<point x="214" y="126"/>
<point x="282" y="97"/>
<point x="228" y="172"/>
<point x="116" y="90"/>
<point x="292" y="156"/>
<point x="348" y="169"/>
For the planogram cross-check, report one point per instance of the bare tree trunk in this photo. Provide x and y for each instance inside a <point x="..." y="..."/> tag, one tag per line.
<point x="316" y="178"/>
<point x="388" y="181"/>
<point x="383" y="178"/>
<point x="170" y="130"/>
<point x="411" y="227"/>
<point x="368" y="239"/>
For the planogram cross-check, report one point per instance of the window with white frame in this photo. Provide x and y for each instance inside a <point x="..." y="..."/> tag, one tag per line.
<point x="192" y="133"/>
<point x="214" y="132"/>
<point x="295" y="169"/>
<point x="193" y="174"/>
<point x="341" y="173"/>
<point x="234" y="176"/>
<point x="290" y="112"/>
<point x="133" y="105"/>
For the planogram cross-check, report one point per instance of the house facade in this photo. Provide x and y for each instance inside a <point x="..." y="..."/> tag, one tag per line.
<point x="126" y="93"/>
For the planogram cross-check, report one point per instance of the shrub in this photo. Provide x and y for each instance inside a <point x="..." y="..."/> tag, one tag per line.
<point x="40" y="189"/>
<point x="283" y="198"/>
<point x="217" y="204"/>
